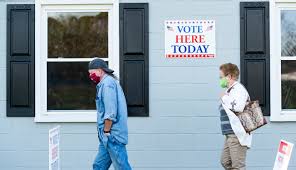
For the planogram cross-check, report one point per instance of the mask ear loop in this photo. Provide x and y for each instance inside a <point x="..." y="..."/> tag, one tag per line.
<point x="228" y="75"/>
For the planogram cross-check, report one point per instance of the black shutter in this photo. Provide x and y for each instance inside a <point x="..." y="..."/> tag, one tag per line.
<point x="254" y="51"/>
<point x="134" y="73"/>
<point x="20" y="60"/>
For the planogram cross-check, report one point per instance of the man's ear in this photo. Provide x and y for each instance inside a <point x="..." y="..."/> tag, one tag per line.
<point x="100" y="72"/>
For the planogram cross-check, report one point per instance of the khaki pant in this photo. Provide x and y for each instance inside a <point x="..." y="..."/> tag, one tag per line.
<point x="234" y="154"/>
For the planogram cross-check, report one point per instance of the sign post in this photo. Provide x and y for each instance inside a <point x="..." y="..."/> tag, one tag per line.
<point x="54" y="148"/>
<point x="283" y="156"/>
<point x="190" y="39"/>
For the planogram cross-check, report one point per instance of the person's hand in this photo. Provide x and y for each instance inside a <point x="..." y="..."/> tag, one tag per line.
<point x="107" y="132"/>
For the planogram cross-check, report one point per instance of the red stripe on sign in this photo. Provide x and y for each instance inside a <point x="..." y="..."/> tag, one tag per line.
<point x="190" y="55"/>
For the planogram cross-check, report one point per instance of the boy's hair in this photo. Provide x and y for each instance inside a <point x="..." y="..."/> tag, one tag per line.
<point x="230" y="69"/>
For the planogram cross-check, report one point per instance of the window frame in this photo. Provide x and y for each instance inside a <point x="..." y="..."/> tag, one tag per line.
<point x="277" y="113"/>
<point x="41" y="59"/>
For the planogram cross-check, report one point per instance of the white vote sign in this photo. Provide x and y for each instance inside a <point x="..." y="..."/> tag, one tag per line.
<point x="54" y="148"/>
<point x="190" y="39"/>
<point x="283" y="156"/>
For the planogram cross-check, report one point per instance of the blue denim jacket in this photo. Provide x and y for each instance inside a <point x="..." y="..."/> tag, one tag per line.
<point x="111" y="104"/>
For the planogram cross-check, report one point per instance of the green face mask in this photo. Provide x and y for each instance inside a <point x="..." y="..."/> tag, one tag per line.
<point x="223" y="82"/>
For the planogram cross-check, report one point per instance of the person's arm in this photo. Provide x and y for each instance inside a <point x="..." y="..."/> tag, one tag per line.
<point x="107" y="126"/>
<point x="236" y="100"/>
<point x="110" y="105"/>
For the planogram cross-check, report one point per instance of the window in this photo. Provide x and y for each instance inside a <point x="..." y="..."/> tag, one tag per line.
<point x="283" y="62"/>
<point x="67" y="37"/>
<point x="288" y="59"/>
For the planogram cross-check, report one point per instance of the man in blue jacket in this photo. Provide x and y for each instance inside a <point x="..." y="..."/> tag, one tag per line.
<point x="111" y="118"/>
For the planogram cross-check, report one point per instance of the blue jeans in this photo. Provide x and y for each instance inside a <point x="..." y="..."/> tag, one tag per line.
<point x="113" y="152"/>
